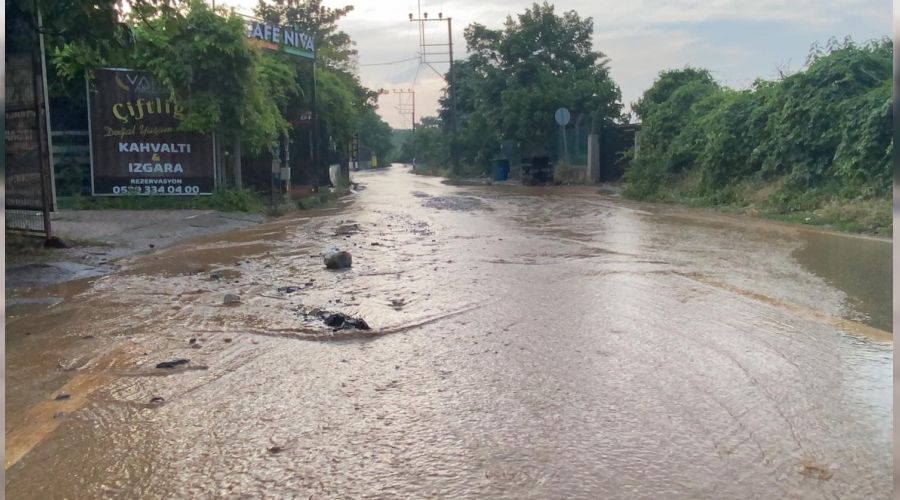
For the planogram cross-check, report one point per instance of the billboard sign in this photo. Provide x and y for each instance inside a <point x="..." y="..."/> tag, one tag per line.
<point x="136" y="147"/>
<point x="282" y="39"/>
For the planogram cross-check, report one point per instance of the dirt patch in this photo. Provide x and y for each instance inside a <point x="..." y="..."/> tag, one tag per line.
<point x="454" y="203"/>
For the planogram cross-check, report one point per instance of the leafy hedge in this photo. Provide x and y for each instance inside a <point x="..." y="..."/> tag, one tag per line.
<point x="825" y="130"/>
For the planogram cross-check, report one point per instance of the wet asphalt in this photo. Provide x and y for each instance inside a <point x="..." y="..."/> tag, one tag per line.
<point x="525" y="343"/>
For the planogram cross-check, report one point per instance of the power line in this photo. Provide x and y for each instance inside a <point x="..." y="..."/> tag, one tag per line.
<point x="424" y="52"/>
<point x="390" y="62"/>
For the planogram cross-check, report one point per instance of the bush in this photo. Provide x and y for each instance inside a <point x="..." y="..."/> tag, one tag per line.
<point x="823" y="132"/>
<point x="225" y="200"/>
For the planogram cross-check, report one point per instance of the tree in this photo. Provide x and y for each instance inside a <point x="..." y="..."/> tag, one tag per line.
<point x="822" y="132"/>
<point x="202" y="55"/>
<point x="517" y="76"/>
<point x="376" y="134"/>
<point x="345" y="105"/>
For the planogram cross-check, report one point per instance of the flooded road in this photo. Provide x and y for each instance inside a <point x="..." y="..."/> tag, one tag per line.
<point x="525" y="343"/>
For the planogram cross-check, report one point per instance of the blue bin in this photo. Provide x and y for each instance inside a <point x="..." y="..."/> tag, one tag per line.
<point x="501" y="170"/>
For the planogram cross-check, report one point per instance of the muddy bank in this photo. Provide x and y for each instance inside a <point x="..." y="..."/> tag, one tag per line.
<point x="98" y="238"/>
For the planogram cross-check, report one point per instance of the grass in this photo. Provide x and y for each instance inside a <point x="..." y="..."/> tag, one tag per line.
<point x="322" y="199"/>
<point x="570" y="174"/>
<point x="28" y="248"/>
<point x="850" y="216"/>
<point x="432" y="171"/>
<point x="22" y="245"/>
<point x="225" y="200"/>
<point x="773" y="200"/>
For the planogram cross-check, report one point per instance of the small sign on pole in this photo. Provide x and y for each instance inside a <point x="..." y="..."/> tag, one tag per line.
<point x="563" y="116"/>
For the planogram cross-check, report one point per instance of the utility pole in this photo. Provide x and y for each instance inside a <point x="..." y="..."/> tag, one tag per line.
<point x="424" y="53"/>
<point x="408" y="108"/>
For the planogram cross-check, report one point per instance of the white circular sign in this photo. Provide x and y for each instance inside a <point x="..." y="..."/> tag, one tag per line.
<point x="562" y="117"/>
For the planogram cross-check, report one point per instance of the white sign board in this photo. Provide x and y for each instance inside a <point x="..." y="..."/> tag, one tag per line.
<point x="562" y="117"/>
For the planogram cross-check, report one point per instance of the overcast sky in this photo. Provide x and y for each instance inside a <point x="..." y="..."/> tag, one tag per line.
<point x="738" y="40"/>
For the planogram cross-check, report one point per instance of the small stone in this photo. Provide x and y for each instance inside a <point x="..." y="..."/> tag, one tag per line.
<point x="227" y="340"/>
<point x="192" y="341"/>
<point x="157" y="399"/>
<point x="63" y="395"/>
<point x="340" y="259"/>
<point x="231" y="299"/>
<point x="151" y="245"/>
<point x="276" y="449"/>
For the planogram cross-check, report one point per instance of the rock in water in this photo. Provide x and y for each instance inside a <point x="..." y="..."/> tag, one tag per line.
<point x="335" y="320"/>
<point x="55" y="242"/>
<point x="231" y="299"/>
<point x="338" y="259"/>
<point x="357" y="323"/>
<point x="340" y="321"/>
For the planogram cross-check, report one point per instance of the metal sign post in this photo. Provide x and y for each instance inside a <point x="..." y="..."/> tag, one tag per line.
<point x="562" y="119"/>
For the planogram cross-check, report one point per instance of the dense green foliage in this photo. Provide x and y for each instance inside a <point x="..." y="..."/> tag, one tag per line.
<point x="204" y="58"/>
<point x="514" y="80"/>
<point x="428" y="145"/>
<point x="810" y="138"/>
<point x="376" y="134"/>
<point x="227" y="85"/>
<point x="346" y="107"/>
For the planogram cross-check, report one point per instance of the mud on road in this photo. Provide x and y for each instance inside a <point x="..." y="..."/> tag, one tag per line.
<point x="524" y="343"/>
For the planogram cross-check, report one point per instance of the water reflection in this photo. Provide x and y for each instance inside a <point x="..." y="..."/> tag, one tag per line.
<point x="860" y="267"/>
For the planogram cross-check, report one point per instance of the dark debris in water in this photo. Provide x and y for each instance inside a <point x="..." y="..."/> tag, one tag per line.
<point x="340" y="321"/>
<point x="173" y="363"/>
<point x="336" y="321"/>
<point x="294" y="288"/>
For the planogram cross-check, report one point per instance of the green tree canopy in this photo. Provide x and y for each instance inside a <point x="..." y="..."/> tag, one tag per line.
<point x="825" y="129"/>
<point x="517" y="76"/>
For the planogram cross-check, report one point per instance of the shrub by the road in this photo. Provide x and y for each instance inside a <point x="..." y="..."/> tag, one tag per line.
<point x="225" y="200"/>
<point x="806" y="141"/>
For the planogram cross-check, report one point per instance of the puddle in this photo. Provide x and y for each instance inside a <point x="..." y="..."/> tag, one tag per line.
<point x="860" y="267"/>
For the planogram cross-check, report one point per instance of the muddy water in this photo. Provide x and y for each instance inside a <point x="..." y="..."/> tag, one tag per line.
<point x="525" y="343"/>
<point x="860" y="267"/>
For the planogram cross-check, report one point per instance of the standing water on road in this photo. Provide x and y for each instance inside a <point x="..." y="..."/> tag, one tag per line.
<point x="524" y="343"/>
